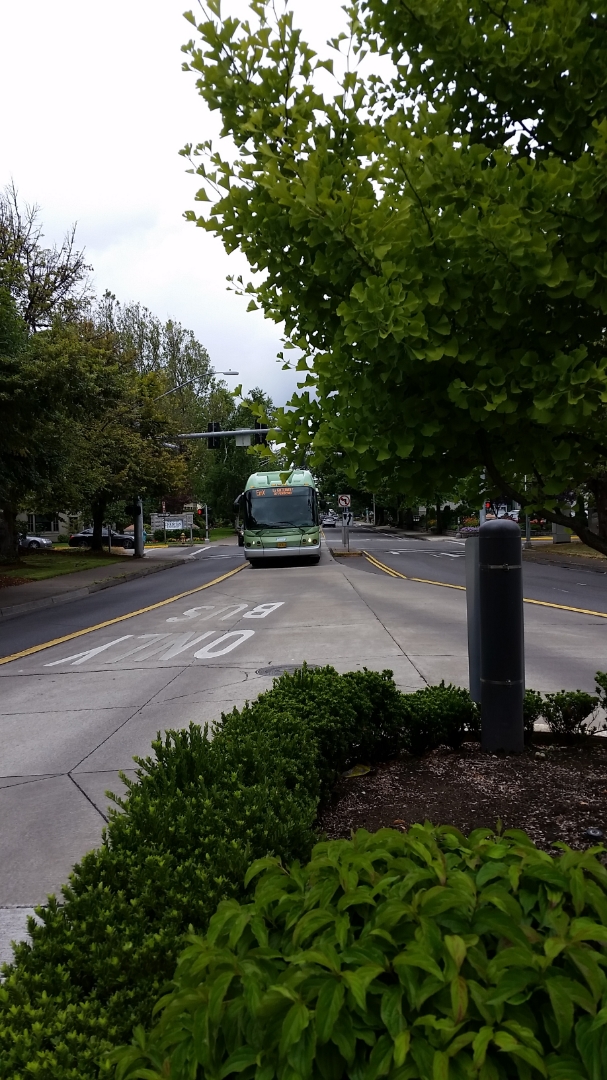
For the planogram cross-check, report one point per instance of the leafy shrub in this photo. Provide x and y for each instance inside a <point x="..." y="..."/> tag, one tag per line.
<point x="423" y="955"/>
<point x="569" y="712"/>
<point x="601" y="687"/>
<point x="533" y="709"/>
<point x="199" y="813"/>
<point x="439" y="715"/>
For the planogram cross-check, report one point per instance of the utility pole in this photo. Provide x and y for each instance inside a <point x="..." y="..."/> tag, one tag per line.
<point x="138" y="530"/>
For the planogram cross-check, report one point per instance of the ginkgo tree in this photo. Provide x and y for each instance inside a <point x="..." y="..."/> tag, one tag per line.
<point x="431" y="232"/>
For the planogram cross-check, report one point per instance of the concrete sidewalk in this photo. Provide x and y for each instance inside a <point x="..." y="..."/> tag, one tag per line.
<point x="18" y="600"/>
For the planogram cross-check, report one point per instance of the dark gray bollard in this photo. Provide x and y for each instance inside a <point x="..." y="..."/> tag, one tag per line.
<point x="502" y="648"/>
<point x="473" y="617"/>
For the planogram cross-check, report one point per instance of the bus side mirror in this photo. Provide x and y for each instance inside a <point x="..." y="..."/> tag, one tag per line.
<point x="237" y="501"/>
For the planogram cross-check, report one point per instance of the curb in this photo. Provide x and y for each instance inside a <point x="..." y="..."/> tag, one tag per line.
<point x="13" y="611"/>
<point x="572" y="562"/>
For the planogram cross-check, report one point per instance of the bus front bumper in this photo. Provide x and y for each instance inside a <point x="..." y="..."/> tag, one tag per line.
<point x="292" y="551"/>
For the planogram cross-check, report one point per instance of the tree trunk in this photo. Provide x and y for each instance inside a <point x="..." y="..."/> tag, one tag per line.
<point x="9" y="535"/>
<point x="98" y="516"/>
<point x="578" y="523"/>
<point x="439" y="519"/>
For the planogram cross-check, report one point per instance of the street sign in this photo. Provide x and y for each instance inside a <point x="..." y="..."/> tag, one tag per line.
<point x="346" y="517"/>
<point x="343" y="500"/>
<point x="172" y="521"/>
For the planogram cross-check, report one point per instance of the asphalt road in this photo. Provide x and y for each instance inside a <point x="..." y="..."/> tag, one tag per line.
<point x="75" y="713"/>
<point x="444" y="561"/>
<point x="53" y="622"/>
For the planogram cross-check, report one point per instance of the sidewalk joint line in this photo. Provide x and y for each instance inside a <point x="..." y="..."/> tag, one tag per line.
<point x="87" y="797"/>
<point x="119" y="618"/>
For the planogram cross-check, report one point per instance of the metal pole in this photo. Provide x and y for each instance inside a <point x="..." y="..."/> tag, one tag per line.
<point x="206" y="524"/>
<point x="138" y="553"/>
<point x="164" y="524"/>
<point x="191" y="537"/>
<point x="345" y="532"/>
<point x="109" y="539"/>
<point x="473" y="612"/>
<point x="374" y="509"/>
<point x="527" y="523"/>
<point x="502" y="645"/>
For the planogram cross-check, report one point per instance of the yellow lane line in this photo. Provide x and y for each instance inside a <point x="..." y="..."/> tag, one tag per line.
<point x="395" y="573"/>
<point x="446" y="585"/>
<point x="564" y="607"/>
<point x="119" y="618"/>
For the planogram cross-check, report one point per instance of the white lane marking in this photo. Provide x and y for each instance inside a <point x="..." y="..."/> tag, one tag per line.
<point x="434" y="554"/>
<point x="262" y="610"/>
<point x="152" y="644"/>
<point x="232" y="614"/>
<point x="81" y="657"/>
<point x="183" y="642"/>
<point x="192" y="613"/>
<point x="211" y="650"/>
<point x="166" y="646"/>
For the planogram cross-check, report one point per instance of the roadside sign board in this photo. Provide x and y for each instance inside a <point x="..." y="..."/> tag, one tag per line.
<point x="171" y="521"/>
<point x="343" y="500"/>
<point x="346" y="518"/>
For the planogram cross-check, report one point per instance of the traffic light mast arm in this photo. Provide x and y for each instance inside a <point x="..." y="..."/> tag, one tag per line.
<point x="216" y="434"/>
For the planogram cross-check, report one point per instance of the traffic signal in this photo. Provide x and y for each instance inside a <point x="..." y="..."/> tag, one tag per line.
<point x="199" y="512"/>
<point x="132" y="510"/>
<point x="487" y="504"/>
<point x="214" y="444"/>
<point x="260" y="440"/>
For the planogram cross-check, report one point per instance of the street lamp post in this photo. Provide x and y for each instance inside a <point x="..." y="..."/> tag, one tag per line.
<point x="189" y="382"/>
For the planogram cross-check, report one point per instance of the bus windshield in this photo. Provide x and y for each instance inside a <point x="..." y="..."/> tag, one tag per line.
<point x="280" y="507"/>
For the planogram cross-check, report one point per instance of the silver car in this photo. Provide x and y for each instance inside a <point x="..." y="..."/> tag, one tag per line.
<point x="34" y="543"/>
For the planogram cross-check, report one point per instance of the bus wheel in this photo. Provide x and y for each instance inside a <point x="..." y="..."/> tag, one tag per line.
<point x="314" y="561"/>
<point x="254" y="564"/>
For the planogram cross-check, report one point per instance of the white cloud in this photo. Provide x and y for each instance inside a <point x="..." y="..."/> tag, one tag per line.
<point x="96" y="108"/>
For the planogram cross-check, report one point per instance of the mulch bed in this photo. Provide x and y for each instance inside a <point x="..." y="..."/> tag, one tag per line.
<point x="552" y="792"/>
<point x="5" y="580"/>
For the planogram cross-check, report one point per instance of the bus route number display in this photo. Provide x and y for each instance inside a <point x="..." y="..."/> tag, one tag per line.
<point x="275" y="491"/>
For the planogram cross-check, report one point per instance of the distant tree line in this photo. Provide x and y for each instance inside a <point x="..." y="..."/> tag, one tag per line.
<point x="84" y="425"/>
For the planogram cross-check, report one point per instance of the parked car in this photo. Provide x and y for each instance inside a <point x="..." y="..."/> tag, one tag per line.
<point x="84" y="538"/>
<point x="34" y="543"/>
<point x="328" y="520"/>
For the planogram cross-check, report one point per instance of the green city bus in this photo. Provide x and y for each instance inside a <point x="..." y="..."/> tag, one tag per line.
<point x="280" y="517"/>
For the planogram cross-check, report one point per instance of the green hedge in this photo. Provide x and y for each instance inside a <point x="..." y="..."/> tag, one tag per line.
<point x="199" y="813"/>
<point x="567" y="713"/>
<point x="427" y="955"/>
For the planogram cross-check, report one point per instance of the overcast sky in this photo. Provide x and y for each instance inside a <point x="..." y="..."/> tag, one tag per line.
<point x="96" y="108"/>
